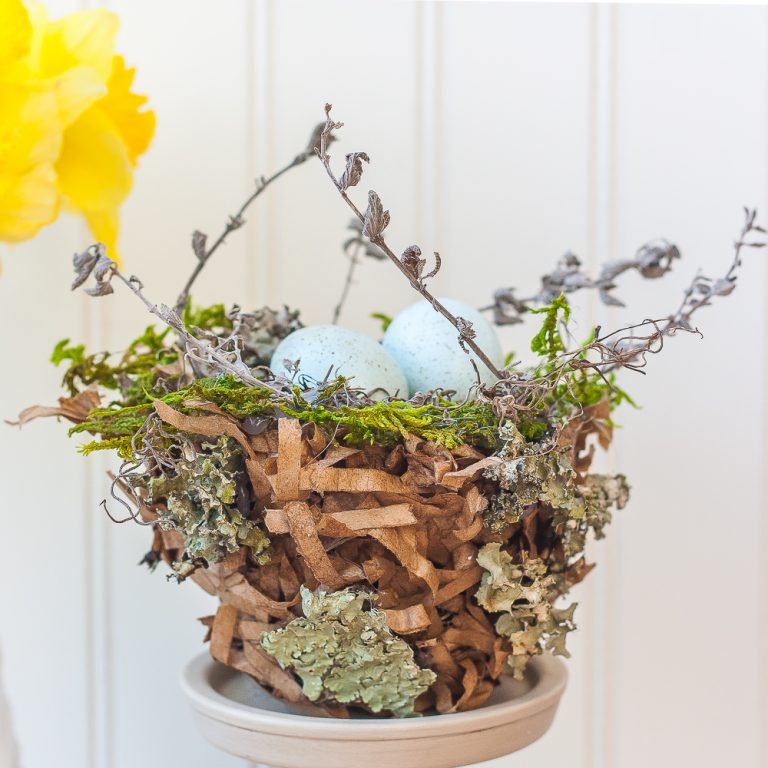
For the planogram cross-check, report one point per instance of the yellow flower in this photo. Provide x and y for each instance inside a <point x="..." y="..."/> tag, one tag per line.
<point x="71" y="130"/>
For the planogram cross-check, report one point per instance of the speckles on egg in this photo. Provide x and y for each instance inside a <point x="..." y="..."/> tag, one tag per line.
<point x="324" y="348"/>
<point x="426" y="347"/>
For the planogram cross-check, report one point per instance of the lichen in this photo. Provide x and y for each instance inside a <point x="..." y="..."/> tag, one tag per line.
<point x="346" y="654"/>
<point x="201" y="503"/>
<point x="527" y="475"/>
<point x="524" y="593"/>
<point x="600" y="495"/>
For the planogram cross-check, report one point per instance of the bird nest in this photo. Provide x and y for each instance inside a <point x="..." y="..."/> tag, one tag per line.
<point x="372" y="548"/>
<point x="405" y="526"/>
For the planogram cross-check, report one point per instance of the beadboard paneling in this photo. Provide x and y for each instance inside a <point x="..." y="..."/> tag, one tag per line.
<point x="501" y="135"/>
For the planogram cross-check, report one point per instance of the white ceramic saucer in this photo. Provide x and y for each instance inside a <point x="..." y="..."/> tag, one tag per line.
<point x="239" y="717"/>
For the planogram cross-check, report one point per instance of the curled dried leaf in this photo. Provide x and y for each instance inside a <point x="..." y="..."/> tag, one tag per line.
<point x="353" y="171"/>
<point x="199" y="243"/>
<point x="412" y="261"/>
<point x="376" y="219"/>
<point x="466" y="332"/>
<point x="94" y="261"/>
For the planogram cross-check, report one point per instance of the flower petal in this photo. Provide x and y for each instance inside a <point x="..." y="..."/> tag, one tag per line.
<point x="27" y="202"/>
<point x="85" y="38"/>
<point x="123" y="108"/>
<point x="76" y="90"/>
<point x="104" y="226"/>
<point x="15" y="31"/>
<point x="95" y="171"/>
<point x="30" y="132"/>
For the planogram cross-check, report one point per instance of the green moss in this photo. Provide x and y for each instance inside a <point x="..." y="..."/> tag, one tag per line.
<point x="206" y="318"/>
<point x="447" y="424"/>
<point x="547" y="342"/>
<point x="122" y="445"/>
<point x="444" y="423"/>
<point x="132" y="374"/>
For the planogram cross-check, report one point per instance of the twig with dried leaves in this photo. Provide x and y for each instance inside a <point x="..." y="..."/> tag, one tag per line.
<point x="94" y="262"/>
<point x="653" y="260"/>
<point x="375" y="220"/>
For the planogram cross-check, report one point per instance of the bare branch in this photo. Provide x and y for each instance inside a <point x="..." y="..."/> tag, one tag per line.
<point x="236" y="221"/>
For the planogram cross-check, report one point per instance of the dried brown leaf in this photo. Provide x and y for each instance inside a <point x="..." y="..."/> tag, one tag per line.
<point x="376" y="219"/>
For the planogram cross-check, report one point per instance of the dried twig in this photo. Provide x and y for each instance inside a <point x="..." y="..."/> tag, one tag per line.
<point x="699" y="294"/>
<point x="653" y="260"/>
<point x="374" y="222"/>
<point x="626" y="347"/>
<point x="94" y="262"/>
<point x="200" y="240"/>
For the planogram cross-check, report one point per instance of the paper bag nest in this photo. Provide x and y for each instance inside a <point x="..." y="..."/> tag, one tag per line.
<point x="403" y="523"/>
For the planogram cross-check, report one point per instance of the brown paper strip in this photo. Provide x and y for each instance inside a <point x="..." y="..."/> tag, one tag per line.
<point x="396" y="541"/>
<point x="466" y="579"/>
<point x="75" y="409"/>
<point x="407" y="621"/>
<point x="286" y="482"/>
<point x="468" y="638"/>
<point x="381" y="517"/>
<point x="267" y="671"/>
<point x="253" y="630"/>
<point x="276" y="521"/>
<point x="250" y="601"/>
<point x="222" y="631"/>
<point x="469" y="682"/>
<point x="456" y="480"/>
<point x="302" y="527"/>
<point x="334" y="455"/>
<point x="331" y="479"/>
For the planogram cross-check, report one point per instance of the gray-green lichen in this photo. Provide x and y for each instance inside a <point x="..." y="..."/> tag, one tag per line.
<point x="347" y="654"/>
<point x="201" y="503"/>
<point x="600" y="494"/>
<point x="524" y="593"/>
<point x="526" y="477"/>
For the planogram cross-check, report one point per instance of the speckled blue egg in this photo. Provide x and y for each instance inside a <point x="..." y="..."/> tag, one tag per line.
<point x="426" y="347"/>
<point x="320" y="348"/>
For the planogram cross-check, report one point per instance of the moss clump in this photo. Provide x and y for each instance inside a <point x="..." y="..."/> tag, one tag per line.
<point x="548" y="342"/>
<point x="133" y="373"/>
<point x="445" y="423"/>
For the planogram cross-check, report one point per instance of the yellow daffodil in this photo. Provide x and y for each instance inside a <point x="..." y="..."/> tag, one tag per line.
<point x="71" y="130"/>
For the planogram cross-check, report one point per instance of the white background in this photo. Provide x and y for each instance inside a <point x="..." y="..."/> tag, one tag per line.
<point x="501" y="135"/>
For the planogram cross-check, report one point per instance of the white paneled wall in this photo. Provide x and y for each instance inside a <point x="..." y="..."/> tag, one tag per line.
<point x="501" y="135"/>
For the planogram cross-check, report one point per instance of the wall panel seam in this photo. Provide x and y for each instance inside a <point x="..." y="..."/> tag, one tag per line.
<point x="600" y="615"/>
<point x="429" y="127"/>
<point x="588" y="608"/>
<point x="260" y="234"/>
<point x="612" y="582"/>
<point x="762" y="709"/>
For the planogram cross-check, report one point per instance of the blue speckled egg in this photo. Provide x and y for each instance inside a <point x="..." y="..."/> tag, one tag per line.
<point x="321" y="348"/>
<point x="426" y="347"/>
